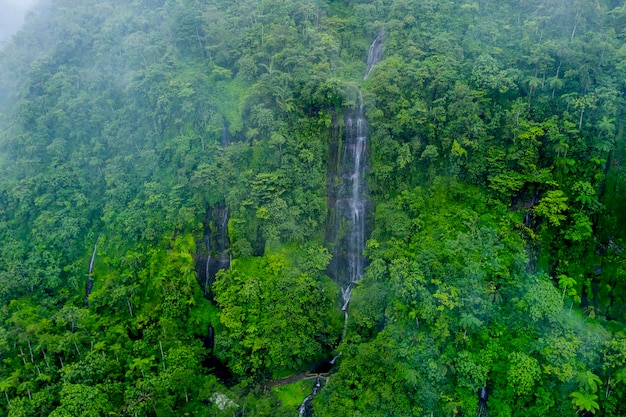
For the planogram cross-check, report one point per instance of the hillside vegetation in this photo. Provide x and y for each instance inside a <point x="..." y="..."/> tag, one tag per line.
<point x="496" y="224"/>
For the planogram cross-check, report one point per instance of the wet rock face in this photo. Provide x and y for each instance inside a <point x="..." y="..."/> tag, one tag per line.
<point x="217" y="256"/>
<point x="210" y="339"/>
<point x="349" y="203"/>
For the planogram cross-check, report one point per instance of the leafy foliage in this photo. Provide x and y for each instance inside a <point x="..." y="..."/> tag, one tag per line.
<point x="496" y="185"/>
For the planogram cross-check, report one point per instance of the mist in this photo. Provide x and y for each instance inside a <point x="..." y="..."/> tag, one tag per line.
<point x="12" y="14"/>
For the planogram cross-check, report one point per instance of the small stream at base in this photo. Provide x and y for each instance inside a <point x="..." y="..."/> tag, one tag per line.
<point x="305" y="407"/>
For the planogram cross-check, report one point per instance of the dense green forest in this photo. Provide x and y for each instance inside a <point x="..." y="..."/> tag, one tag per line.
<point x="145" y="144"/>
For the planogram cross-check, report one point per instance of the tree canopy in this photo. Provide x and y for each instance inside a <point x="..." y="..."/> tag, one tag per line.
<point x="146" y="145"/>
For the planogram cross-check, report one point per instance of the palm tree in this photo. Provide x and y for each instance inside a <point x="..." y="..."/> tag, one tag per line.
<point x="555" y="83"/>
<point x="605" y="145"/>
<point x="561" y="146"/>
<point x="283" y="96"/>
<point x="565" y="282"/>
<point x="141" y="364"/>
<point x="606" y="125"/>
<point x="414" y="314"/>
<point x="6" y="385"/>
<point x="533" y="83"/>
<point x="588" y="381"/>
<point x="585" y="402"/>
<point x="469" y="321"/>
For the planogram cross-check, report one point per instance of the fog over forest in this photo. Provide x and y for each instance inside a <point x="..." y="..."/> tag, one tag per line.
<point x="12" y="14"/>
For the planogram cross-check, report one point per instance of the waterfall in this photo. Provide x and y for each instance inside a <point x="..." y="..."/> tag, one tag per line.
<point x="93" y="255"/>
<point x="221" y="260"/>
<point x="207" y="272"/>
<point x="347" y="215"/>
<point x="303" y="410"/>
<point x="217" y="248"/>
<point x="225" y="138"/>
<point x="222" y="216"/>
<point x="89" y="283"/>
<point x="355" y="148"/>
<point x="210" y="340"/>
<point x="348" y="205"/>
<point x="346" y="293"/>
<point x="375" y="54"/>
<point x="351" y="202"/>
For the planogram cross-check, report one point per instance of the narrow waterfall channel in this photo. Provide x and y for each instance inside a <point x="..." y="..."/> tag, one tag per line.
<point x="375" y="54"/>
<point x="89" y="283"/>
<point x="352" y="203"/>
<point x="213" y="256"/>
<point x="348" y="206"/>
<point x="225" y="139"/>
<point x="216" y="246"/>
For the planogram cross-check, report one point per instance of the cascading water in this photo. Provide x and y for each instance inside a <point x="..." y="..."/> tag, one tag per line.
<point x="217" y="248"/>
<point x="207" y="270"/>
<point x="217" y="258"/>
<point x="348" y="208"/>
<point x="352" y="202"/>
<point x="89" y="283"/>
<point x="375" y="54"/>
<point x="305" y="406"/>
<point x="355" y="148"/>
<point x="351" y="199"/>
<point x="349" y="211"/>
<point x="225" y="138"/>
